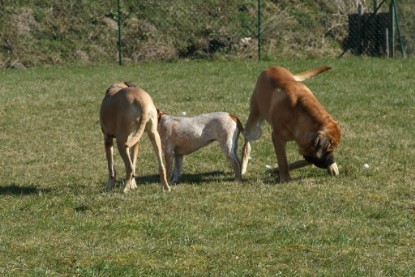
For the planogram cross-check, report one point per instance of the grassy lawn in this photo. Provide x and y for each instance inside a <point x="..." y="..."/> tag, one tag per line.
<point x="56" y="218"/>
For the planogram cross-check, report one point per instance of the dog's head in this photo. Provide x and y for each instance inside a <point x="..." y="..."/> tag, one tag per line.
<point x="320" y="151"/>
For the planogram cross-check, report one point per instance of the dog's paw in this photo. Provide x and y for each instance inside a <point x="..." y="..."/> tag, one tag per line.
<point x="166" y="187"/>
<point x="110" y="185"/>
<point x="271" y="170"/>
<point x="133" y="184"/>
<point x="175" y="179"/>
<point x="284" y="179"/>
<point x="129" y="185"/>
<point x="333" y="169"/>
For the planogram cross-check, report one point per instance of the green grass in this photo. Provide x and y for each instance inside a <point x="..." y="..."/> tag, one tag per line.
<point x="57" y="220"/>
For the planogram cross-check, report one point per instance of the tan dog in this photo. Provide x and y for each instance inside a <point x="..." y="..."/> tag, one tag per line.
<point x="126" y="112"/>
<point x="294" y="113"/>
<point x="184" y="135"/>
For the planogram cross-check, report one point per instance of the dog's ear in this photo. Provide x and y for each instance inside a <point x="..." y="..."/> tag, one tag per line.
<point x="321" y="144"/>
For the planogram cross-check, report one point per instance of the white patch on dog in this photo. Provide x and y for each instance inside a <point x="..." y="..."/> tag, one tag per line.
<point x="333" y="169"/>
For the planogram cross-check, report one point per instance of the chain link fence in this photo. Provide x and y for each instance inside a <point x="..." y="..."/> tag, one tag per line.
<point x="206" y="29"/>
<point x="36" y="32"/>
<point x="377" y="32"/>
<point x="406" y="19"/>
<point x="186" y="29"/>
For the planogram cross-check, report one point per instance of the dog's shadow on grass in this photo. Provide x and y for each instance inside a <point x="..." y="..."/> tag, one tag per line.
<point x="21" y="190"/>
<point x="197" y="178"/>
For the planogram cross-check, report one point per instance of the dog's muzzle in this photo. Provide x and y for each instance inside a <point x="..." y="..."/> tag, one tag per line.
<point x="324" y="162"/>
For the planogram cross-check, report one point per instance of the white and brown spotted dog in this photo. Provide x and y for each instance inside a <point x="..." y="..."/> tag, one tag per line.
<point x="126" y="113"/>
<point x="184" y="135"/>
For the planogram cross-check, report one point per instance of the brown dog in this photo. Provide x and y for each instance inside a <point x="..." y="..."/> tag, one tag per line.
<point x="126" y="112"/>
<point x="294" y="113"/>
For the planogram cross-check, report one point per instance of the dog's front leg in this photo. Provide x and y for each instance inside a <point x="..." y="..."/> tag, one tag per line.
<point x="291" y="166"/>
<point x="280" y="151"/>
<point x="134" y="155"/>
<point x="156" y="142"/>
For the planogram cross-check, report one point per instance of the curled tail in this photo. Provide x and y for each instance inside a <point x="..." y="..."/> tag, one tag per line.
<point x="140" y="130"/>
<point x="119" y="86"/>
<point x="246" y="149"/>
<point x="310" y="73"/>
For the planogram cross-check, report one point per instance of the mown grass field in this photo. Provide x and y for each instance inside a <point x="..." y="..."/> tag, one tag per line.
<point x="57" y="220"/>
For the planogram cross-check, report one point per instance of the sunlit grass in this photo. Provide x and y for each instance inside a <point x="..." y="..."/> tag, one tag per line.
<point x="57" y="219"/>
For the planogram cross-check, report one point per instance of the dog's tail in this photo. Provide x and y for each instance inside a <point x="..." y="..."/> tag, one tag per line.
<point x="238" y="123"/>
<point x="160" y="114"/>
<point x="246" y="149"/>
<point x="140" y="130"/>
<point x="129" y="84"/>
<point x="310" y="73"/>
<point x="119" y="86"/>
<point x="246" y="152"/>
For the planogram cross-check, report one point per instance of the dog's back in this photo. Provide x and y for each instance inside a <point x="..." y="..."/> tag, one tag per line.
<point x="278" y="89"/>
<point x="123" y="105"/>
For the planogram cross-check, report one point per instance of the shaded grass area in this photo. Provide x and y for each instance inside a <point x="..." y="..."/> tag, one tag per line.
<point x="56" y="218"/>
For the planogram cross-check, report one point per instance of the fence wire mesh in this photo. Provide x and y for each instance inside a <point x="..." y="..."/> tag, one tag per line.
<point x="377" y="32"/>
<point x="406" y="17"/>
<point x="37" y="32"/>
<point x="200" y="29"/>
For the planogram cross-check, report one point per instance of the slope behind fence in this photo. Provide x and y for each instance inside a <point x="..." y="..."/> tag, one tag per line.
<point x="56" y="32"/>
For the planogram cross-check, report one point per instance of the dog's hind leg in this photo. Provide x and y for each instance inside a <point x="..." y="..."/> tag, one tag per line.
<point x="156" y="142"/>
<point x="109" y="150"/>
<point x="134" y="155"/>
<point x="178" y="167"/>
<point x="280" y="151"/>
<point x="125" y="155"/>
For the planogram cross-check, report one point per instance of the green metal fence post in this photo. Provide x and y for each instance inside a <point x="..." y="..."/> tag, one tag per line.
<point x="259" y="30"/>
<point x="119" y="34"/>
<point x="392" y="31"/>
<point x="395" y="15"/>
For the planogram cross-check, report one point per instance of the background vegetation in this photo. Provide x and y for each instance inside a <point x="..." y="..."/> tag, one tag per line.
<point x="57" y="220"/>
<point x="37" y="32"/>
